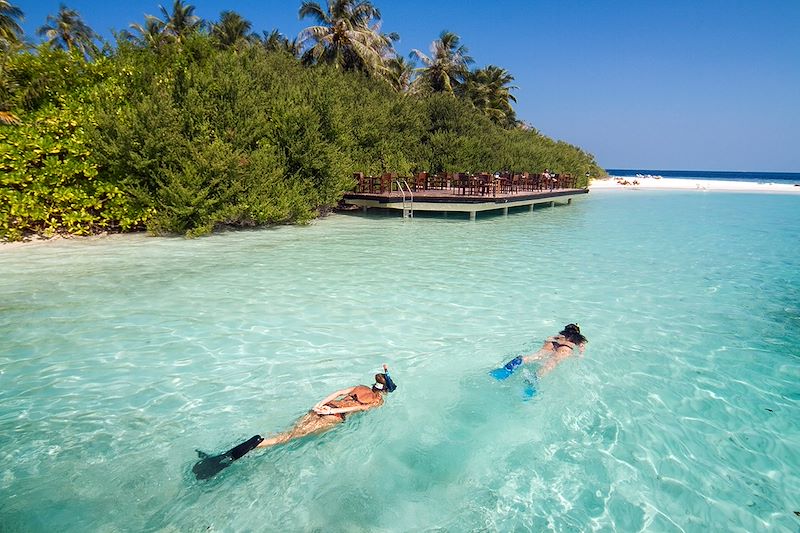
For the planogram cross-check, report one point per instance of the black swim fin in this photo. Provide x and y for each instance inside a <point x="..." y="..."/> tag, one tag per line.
<point x="209" y="466"/>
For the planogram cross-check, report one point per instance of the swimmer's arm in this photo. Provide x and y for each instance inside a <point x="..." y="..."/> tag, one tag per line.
<point x="333" y="396"/>
<point x="339" y="410"/>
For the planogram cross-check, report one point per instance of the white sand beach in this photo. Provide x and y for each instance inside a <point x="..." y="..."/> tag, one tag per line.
<point x="653" y="183"/>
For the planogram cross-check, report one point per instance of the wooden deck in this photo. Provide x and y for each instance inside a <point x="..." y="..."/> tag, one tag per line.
<point x="455" y="200"/>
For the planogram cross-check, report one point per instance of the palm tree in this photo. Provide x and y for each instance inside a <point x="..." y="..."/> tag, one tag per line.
<point x="182" y="21"/>
<point x="275" y="41"/>
<point x="10" y="29"/>
<point x="347" y="36"/>
<point x="68" y="31"/>
<point x="10" y="40"/>
<point x="489" y="91"/>
<point x="231" y="29"/>
<point x="151" y="35"/>
<point x="400" y="74"/>
<point x="447" y="65"/>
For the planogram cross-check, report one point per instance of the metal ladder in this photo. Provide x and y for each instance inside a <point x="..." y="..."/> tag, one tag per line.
<point x="408" y="208"/>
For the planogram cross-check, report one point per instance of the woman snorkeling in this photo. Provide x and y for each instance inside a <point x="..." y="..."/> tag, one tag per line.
<point x="325" y="415"/>
<point x="555" y="349"/>
<point x="558" y="347"/>
<point x="334" y="409"/>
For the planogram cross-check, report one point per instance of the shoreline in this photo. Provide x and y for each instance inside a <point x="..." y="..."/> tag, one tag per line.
<point x="611" y="183"/>
<point x="41" y="240"/>
<point x="680" y="184"/>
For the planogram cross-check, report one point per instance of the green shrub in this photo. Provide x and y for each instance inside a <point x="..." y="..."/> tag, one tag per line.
<point x="49" y="180"/>
<point x="187" y="137"/>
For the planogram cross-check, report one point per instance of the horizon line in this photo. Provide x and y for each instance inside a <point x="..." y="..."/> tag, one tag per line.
<point x="701" y="170"/>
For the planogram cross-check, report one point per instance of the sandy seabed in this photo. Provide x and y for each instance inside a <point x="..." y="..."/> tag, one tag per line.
<point x="692" y="184"/>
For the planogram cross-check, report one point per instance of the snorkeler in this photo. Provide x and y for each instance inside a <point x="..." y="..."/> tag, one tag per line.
<point x="334" y="409"/>
<point x="555" y="349"/>
<point x="325" y="415"/>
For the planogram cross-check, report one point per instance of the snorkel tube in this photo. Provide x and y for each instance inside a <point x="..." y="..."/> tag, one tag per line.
<point x="390" y="386"/>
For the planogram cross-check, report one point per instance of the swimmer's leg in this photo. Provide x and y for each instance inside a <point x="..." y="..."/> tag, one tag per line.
<point x="549" y="365"/>
<point x="309" y="424"/>
<point x="531" y="381"/>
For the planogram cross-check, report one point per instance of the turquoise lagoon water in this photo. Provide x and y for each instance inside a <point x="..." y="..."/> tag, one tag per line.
<point x="119" y="357"/>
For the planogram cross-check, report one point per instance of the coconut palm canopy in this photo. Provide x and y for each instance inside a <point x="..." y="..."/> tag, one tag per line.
<point x="400" y="73"/>
<point x="10" y="18"/>
<point x="446" y="67"/>
<point x="231" y="29"/>
<point x="67" y="30"/>
<point x="489" y="91"/>
<point x="182" y="21"/>
<point x="275" y="41"/>
<point x="151" y="34"/>
<point x="347" y="35"/>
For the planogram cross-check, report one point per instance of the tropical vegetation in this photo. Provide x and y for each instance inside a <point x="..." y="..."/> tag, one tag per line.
<point x="184" y="125"/>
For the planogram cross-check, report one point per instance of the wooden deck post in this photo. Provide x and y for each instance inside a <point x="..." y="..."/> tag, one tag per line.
<point x="472" y="215"/>
<point x="530" y="208"/>
<point x="505" y="211"/>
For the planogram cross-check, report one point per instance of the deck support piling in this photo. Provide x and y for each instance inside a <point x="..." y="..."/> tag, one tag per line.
<point x="505" y="211"/>
<point x="530" y="208"/>
<point x="472" y="215"/>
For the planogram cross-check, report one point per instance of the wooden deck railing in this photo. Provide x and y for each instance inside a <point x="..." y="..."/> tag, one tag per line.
<point x="463" y="184"/>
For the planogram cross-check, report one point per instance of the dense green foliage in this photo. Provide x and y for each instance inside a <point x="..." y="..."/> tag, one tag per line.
<point x="200" y="130"/>
<point x="49" y="178"/>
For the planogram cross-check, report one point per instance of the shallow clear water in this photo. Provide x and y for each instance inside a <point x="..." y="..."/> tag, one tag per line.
<point x="120" y="357"/>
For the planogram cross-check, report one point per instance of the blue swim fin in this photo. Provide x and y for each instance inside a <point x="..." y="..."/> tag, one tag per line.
<point x="506" y="370"/>
<point x="531" y="381"/>
<point x="529" y="391"/>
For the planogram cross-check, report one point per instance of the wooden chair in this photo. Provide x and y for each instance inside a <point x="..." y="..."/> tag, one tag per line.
<point x="421" y="181"/>
<point x="387" y="182"/>
<point x="538" y="182"/>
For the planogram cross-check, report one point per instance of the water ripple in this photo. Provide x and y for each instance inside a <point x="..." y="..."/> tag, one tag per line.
<point x="119" y="359"/>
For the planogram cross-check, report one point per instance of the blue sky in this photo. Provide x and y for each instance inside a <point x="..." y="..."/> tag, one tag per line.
<point x="700" y="85"/>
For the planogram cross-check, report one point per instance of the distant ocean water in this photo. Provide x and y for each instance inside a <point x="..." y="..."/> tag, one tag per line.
<point x="793" y="177"/>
